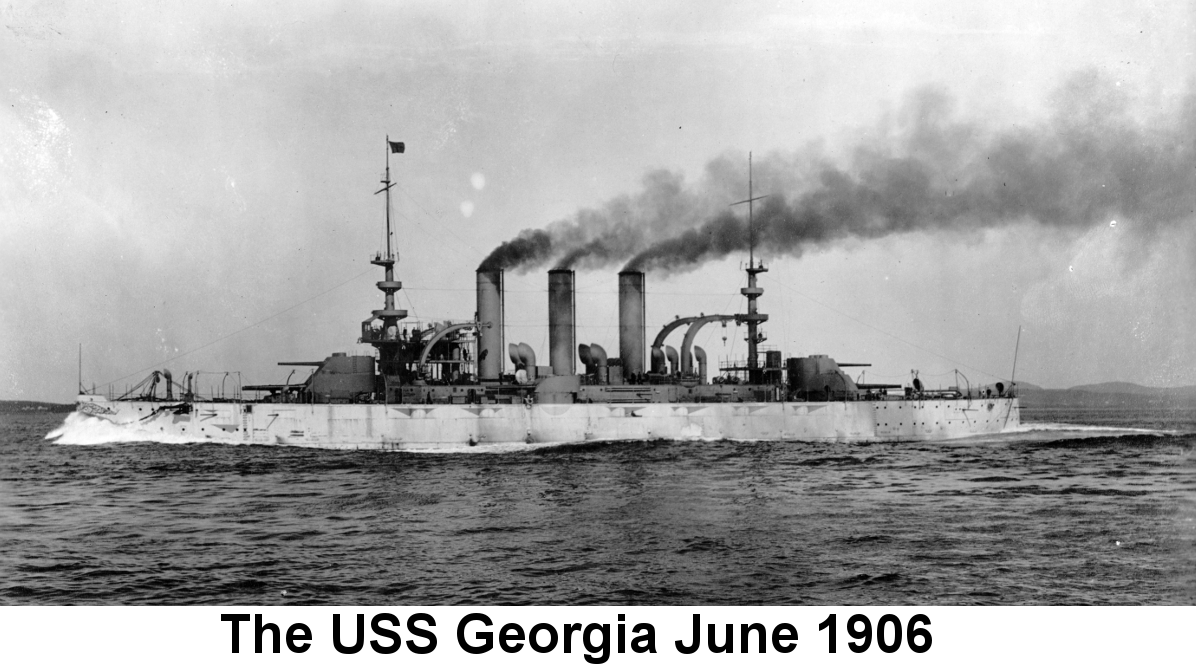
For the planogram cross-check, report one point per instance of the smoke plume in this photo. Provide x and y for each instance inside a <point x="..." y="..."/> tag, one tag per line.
<point x="1090" y="162"/>
<point x="610" y="234"/>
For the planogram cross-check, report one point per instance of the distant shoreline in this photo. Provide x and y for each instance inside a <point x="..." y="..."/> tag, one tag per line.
<point x="34" y="407"/>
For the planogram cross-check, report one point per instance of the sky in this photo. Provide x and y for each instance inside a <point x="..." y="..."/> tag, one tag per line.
<point x="191" y="185"/>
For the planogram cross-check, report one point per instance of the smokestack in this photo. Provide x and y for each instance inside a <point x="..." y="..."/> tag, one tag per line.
<point x="631" y="322"/>
<point x="561" y="310"/>
<point x="490" y="320"/>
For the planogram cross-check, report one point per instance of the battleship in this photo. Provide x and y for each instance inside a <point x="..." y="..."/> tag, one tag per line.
<point x="447" y="384"/>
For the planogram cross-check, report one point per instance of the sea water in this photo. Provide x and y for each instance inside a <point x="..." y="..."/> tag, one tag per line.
<point x="1081" y="506"/>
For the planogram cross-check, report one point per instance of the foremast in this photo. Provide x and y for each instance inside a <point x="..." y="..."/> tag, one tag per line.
<point x="388" y="339"/>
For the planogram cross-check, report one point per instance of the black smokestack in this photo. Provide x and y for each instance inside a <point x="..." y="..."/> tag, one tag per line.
<point x="631" y="322"/>
<point x="561" y="318"/>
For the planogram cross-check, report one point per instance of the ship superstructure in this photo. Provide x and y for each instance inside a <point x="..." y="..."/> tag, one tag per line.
<point x="449" y="384"/>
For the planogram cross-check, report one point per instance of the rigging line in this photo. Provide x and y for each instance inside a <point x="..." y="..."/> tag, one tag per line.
<point x="711" y="333"/>
<point x="419" y="227"/>
<point x="252" y="325"/>
<point x="429" y="318"/>
<point x="428" y="234"/>
<point x="414" y="311"/>
<point x="579" y="324"/>
<point x="877" y="374"/>
<point x="885" y="332"/>
<point x="444" y="228"/>
<point x="432" y="216"/>
<point x="732" y="295"/>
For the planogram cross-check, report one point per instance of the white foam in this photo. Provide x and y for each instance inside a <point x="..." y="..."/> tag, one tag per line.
<point x="1051" y="432"/>
<point x="84" y="429"/>
<point x="1082" y="428"/>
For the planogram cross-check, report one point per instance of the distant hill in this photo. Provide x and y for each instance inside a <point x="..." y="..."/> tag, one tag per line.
<point x="1021" y="386"/>
<point x="23" y="406"/>
<point x="1107" y="394"/>
<point x="1111" y="394"/>
<point x="1136" y="389"/>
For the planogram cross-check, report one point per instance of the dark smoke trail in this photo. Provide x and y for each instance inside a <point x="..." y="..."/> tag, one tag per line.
<point x="529" y="248"/>
<point x="612" y="233"/>
<point x="1089" y="163"/>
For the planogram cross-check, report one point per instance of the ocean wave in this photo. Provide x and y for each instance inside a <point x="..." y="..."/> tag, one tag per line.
<point x="1036" y="427"/>
<point x="86" y="430"/>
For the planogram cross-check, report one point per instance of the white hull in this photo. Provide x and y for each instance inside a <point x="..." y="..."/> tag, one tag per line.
<point x="417" y="427"/>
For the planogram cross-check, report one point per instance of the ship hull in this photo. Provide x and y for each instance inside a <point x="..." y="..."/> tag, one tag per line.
<point x="421" y="427"/>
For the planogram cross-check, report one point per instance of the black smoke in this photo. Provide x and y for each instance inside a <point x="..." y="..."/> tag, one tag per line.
<point x="1090" y="162"/>
<point x="529" y="248"/>
<point x="609" y="234"/>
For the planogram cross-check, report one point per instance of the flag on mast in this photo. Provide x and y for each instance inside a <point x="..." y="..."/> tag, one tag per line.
<point x="396" y="147"/>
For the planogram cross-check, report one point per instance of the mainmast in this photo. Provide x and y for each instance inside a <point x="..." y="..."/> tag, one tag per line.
<point x="753" y="318"/>
<point x="751" y="227"/>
